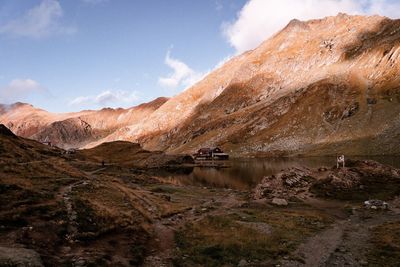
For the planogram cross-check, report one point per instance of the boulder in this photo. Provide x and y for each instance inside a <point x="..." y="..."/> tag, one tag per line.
<point x="279" y="202"/>
<point x="242" y="263"/>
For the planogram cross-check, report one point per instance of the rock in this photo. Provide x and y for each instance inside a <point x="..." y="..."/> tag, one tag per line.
<point x="285" y="184"/>
<point x="363" y="263"/>
<point x="80" y="262"/>
<point x="242" y="263"/>
<point x="376" y="204"/>
<point x="20" y="257"/>
<point x="279" y="202"/>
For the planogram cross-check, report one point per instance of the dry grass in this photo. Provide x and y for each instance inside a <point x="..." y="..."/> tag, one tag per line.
<point x="386" y="245"/>
<point x="219" y="240"/>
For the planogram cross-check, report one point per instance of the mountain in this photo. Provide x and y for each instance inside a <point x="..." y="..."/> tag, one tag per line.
<point x="72" y="130"/>
<point x="319" y="87"/>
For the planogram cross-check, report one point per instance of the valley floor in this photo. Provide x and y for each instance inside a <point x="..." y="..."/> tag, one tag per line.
<point x="86" y="214"/>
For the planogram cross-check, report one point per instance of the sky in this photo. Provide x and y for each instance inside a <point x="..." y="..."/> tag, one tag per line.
<point x="70" y="55"/>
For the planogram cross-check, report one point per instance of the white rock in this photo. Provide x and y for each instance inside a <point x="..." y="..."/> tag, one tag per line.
<point x="279" y="202"/>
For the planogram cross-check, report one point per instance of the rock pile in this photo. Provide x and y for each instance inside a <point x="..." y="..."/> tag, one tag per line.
<point x="360" y="180"/>
<point x="283" y="186"/>
<point x="376" y="204"/>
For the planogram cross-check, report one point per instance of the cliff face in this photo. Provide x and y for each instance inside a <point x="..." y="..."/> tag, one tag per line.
<point x="315" y="88"/>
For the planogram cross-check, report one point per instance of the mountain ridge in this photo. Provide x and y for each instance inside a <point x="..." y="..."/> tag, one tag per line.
<point x="318" y="87"/>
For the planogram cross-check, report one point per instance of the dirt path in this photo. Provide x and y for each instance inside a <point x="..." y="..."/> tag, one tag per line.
<point x="344" y="244"/>
<point x="317" y="250"/>
<point x="64" y="194"/>
<point x="163" y="244"/>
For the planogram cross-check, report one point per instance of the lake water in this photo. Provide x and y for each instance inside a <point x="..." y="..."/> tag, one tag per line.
<point x="244" y="174"/>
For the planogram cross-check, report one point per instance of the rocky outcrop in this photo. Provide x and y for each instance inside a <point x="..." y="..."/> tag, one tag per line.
<point x="287" y="184"/>
<point x="360" y="180"/>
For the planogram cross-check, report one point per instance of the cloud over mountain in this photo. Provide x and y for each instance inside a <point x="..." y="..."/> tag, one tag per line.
<point x="17" y="89"/>
<point x="182" y="74"/>
<point x="260" y="19"/>
<point x="106" y="98"/>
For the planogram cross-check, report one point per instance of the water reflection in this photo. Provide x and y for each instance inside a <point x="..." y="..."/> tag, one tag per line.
<point x="244" y="174"/>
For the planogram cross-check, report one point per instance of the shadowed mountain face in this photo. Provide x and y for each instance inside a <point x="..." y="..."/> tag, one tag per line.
<point x="319" y="87"/>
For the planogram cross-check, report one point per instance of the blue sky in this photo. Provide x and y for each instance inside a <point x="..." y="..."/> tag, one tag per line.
<point x="116" y="46"/>
<point x="68" y="55"/>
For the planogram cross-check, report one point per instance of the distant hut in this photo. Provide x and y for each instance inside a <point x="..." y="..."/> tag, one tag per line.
<point x="210" y="153"/>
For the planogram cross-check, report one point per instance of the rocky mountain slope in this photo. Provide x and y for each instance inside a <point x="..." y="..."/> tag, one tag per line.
<point x="319" y="87"/>
<point x="73" y="130"/>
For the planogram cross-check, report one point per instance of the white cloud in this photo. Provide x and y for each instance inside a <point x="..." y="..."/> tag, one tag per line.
<point x="182" y="74"/>
<point x="19" y="89"/>
<point x="106" y="98"/>
<point x="259" y="19"/>
<point x="40" y="21"/>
